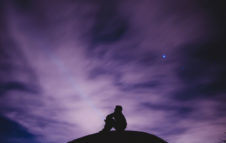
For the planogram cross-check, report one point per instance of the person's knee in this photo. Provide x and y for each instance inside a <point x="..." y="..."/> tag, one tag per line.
<point x="110" y="121"/>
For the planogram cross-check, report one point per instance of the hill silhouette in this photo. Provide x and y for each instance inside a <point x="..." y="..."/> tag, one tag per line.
<point x="119" y="137"/>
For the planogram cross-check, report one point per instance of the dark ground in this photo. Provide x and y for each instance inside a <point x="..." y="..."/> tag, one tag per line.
<point x="124" y="137"/>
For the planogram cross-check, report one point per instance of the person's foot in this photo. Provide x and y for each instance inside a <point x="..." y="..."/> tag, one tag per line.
<point x="103" y="131"/>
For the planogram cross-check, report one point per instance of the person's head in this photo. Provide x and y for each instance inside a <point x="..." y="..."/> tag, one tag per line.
<point x="118" y="108"/>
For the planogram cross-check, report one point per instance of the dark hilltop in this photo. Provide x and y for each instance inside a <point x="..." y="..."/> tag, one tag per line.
<point x="120" y="137"/>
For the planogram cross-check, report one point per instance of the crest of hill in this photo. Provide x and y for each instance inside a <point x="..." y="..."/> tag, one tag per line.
<point x="120" y="137"/>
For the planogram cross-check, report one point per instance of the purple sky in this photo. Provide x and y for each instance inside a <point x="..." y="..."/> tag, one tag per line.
<point x="65" y="64"/>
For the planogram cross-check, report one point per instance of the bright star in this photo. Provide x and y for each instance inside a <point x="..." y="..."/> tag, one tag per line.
<point x="163" y="56"/>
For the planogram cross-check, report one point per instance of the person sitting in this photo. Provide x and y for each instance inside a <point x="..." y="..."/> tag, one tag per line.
<point x="115" y="120"/>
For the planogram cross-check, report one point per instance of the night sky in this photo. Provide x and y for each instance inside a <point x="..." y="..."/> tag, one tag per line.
<point x="65" y="64"/>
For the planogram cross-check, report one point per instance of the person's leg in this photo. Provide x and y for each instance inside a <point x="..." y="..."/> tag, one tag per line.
<point x="109" y="123"/>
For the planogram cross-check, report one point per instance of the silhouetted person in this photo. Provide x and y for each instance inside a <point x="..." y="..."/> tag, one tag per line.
<point x="115" y="120"/>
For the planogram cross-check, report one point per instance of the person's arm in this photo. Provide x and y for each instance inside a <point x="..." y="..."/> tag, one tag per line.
<point x="110" y="116"/>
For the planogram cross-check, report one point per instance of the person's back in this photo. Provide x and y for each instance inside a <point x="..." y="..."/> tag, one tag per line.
<point x="120" y="121"/>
